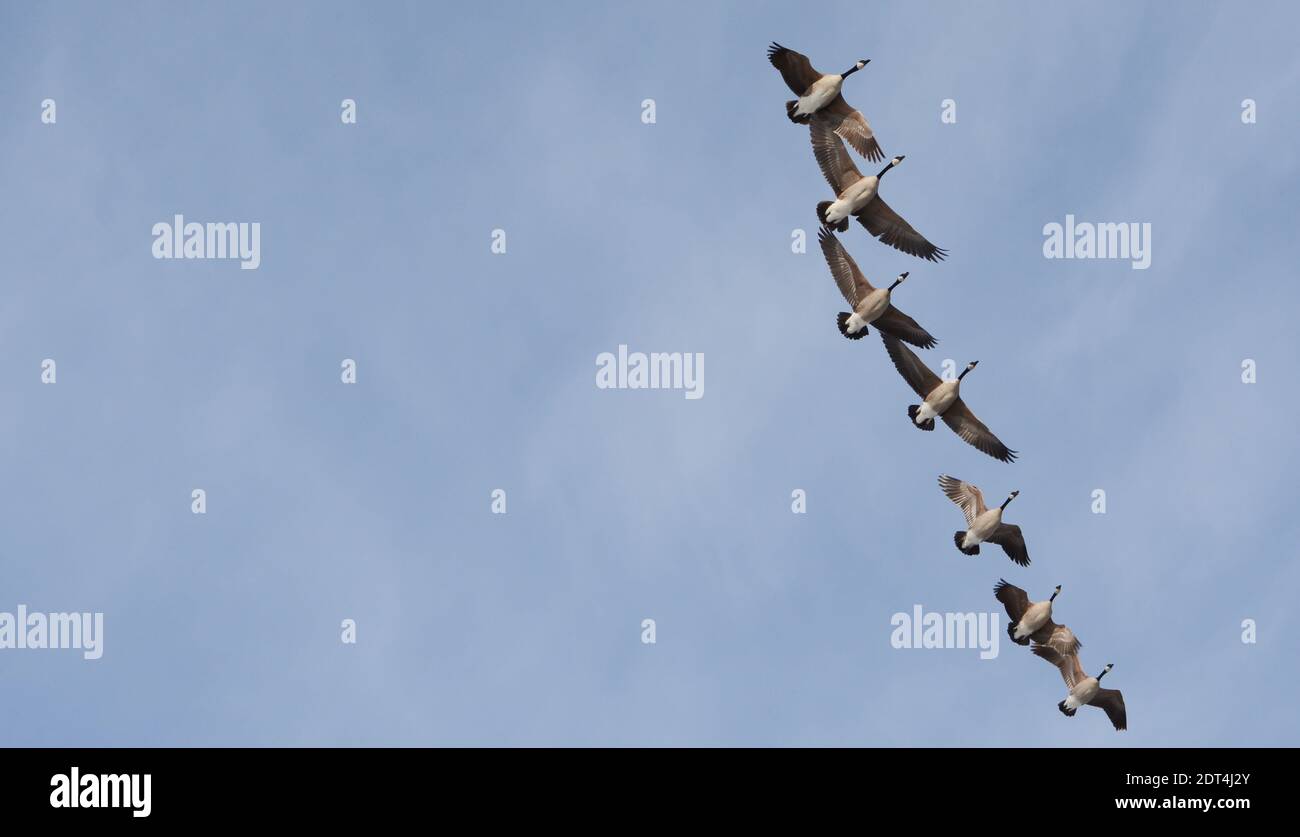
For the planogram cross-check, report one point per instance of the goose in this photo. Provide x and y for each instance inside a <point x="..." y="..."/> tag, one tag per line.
<point x="870" y="305"/>
<point x="985" y="524"/>
<point x="819" y="98"/>
<point x="856" y="195"/>
<point x="942" y="399"/>
<point x="1033" y="620"/>
<point x="1085" y="690"/>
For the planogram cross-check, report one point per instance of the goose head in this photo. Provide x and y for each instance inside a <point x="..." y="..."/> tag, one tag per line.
<point x="1055" y="593"/>
<point x="891" y="164"/>
<point x="1013" y="495"/>
<point x="899" y="280"/>
<point x="1105" y="671"/>
<point x="968" y="368"/>
<point x="858" y="66"/>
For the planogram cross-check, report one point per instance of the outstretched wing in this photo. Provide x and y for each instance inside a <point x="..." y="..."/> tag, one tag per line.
<point x="795" y="68"/>
<point x="853" y="285"/>
<point x="917" y="374"/>
<point x="834" y="161"/>
<point x="1015" y="600"/>
<point x="1057" y="637"/>
<point x="1112" y="700"/>
<point x="973" y="432"/>
<point x="904" y="328"/>
<point x="888" y="226"/>
<point x="967" y="497"/>
<point x="852" y="127"/>
<point x="1067" y="664"/>
<point x="1009" y="537"/>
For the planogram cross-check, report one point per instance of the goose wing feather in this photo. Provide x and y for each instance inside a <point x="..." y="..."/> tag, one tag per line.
<point x="1012" y="540"/>
<point x="905" y="328"/>
<point x="852" y="283"/>
<point x="917" y="375"/>
<point x="795" y="68"/>
<point x="974" y="432"/>
<point x="1015" y="600"/>
<point x="852" y="127"/>
<point x="1112" y="701"/>
<point x="888" y="226"/>
<point x="832" y="158"/>
<point x="1067" y="664"/>
<point x="967" y="497"/>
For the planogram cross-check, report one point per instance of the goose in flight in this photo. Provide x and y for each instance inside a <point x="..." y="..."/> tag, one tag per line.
<point x="1033" y="620"/>
<point x="1085" y="690"/>
<point x="857" y="196"/>
<point x="870" y="305"/>
<point x="942" y="399"/>
<point x="985" y="524"/>
<point x="820" y="99"/>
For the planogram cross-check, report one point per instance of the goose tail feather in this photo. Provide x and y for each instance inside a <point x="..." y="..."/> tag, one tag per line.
<point x="928" y="424"/>
<point x="843" y="322"/>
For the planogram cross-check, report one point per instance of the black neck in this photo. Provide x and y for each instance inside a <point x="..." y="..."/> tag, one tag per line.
<point x="1054" y="595"/>
<point x="897" y="282"/>
<point x="1004" y="505"/>
<point x="963" y="373"/>
<point x="850" y="71"/>
<point x="885" y="169"/>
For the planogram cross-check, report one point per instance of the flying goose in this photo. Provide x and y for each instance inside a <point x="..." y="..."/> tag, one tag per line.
<point x="943" y="399"/>
<point x="870" y="305"/>
<point x="856" y="195"/>
<point x="1033" y="620"/>
<point x="819" y="97"/>
<point x="1085" y="690"/>
<point x="985" y="524"/>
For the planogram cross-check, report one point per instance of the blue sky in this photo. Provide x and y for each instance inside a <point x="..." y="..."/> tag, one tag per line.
<point x="476" y="372"/>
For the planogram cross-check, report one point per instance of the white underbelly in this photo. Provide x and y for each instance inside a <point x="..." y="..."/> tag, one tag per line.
<point x="940" y="400"/>
<point x="1033" y="619"/>
<point x="983" y="526"/>
<point x="873" y="306"/>
<point x="1082" y="693"/>
<point x="837" y="211"/>
<point x="860" y="194"/>
<point x="821" y="94"/>
<point x="853" y="199"/>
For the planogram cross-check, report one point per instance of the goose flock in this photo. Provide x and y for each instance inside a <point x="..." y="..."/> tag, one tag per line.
<point x="832" y="122"/>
